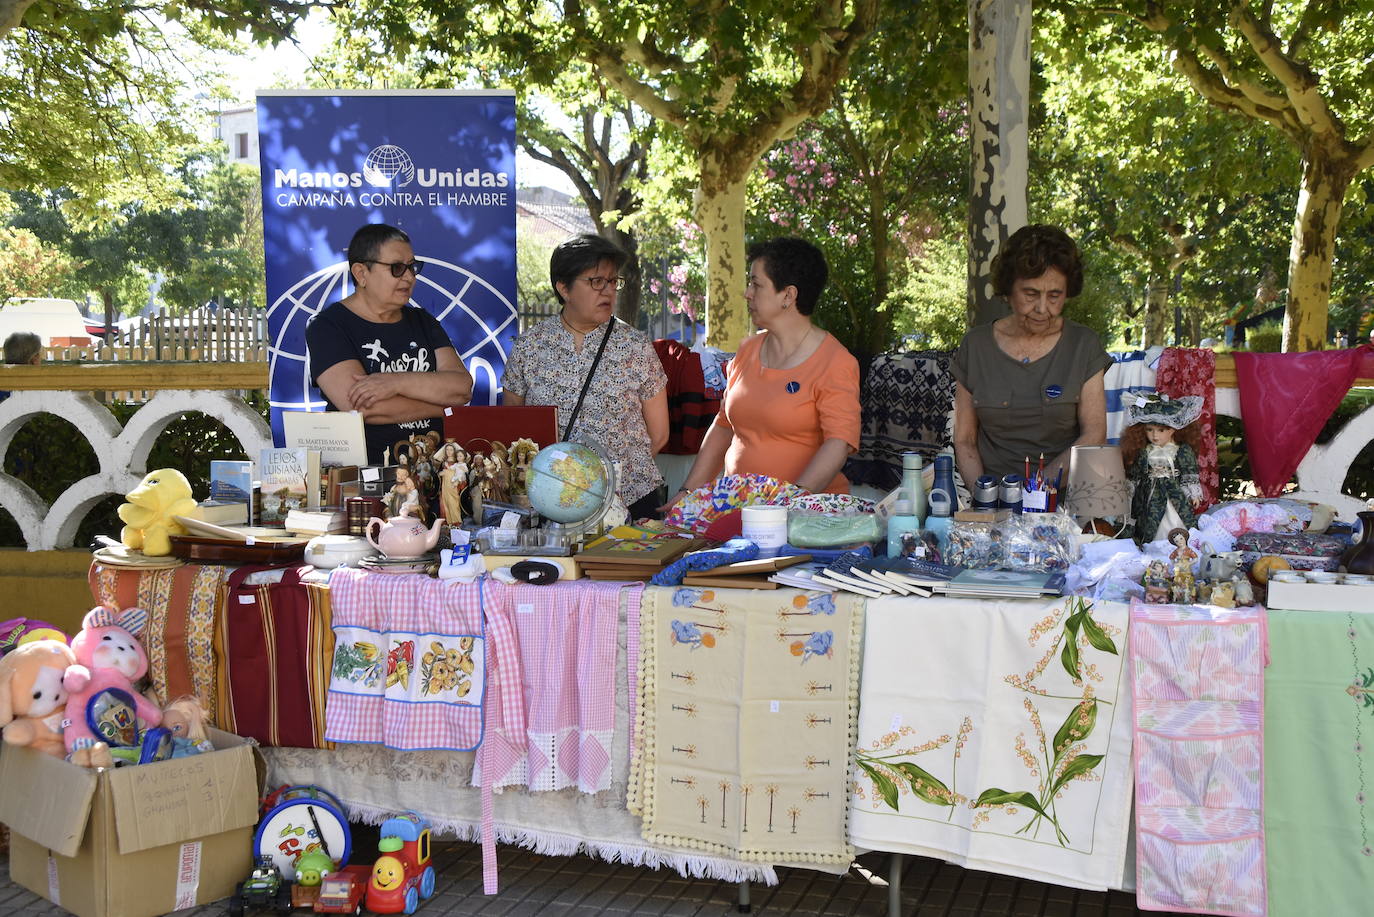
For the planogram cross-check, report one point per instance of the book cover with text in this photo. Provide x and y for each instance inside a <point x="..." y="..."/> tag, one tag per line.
<point x="290" y="479"/>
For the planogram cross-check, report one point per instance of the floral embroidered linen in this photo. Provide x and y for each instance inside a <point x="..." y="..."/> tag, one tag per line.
<point x="1198" y="688"/>
<point x="997" y="735"/>
<point x="747" y="714"/>
<point x="1319" y="776"/>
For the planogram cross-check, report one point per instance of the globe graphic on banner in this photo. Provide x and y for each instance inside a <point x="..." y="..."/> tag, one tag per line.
<point x="388" y="166"/>
<point x="568" y="483"/>
<point x="473" y="312"/>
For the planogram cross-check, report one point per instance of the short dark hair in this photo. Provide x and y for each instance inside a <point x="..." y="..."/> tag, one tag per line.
<point x="581" y="253"/>
<point x="1031" y="251"/>
<point x="22" y="346"/>
<point x="793" y="262"/>
<point x="367" y="242"/>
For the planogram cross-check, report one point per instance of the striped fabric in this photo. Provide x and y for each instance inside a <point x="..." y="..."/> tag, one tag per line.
<point x="276" y="645"/>
<point x="1199" y="758"/>
<point x="182" y="607"/>
<point x="1131" y="371"/>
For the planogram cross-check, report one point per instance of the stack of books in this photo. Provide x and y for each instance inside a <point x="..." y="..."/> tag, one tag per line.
<point x="745" y="574"/>
<point x="630" y="559"/>
<point x="316" y="522"/>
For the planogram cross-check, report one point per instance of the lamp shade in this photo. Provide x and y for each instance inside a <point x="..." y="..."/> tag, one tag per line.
<point x="1097" y="482"/>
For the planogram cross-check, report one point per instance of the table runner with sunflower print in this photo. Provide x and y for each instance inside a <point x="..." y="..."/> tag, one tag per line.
<point x="748" y="702"/>
<point x="997" y="735"/>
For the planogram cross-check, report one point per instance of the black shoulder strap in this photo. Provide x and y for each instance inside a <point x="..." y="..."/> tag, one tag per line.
<point x="587" y="383"/>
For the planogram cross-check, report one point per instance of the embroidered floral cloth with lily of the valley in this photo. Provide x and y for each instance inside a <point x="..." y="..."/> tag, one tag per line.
<point x="748" y="704"/>
<point x="997" y="735"/>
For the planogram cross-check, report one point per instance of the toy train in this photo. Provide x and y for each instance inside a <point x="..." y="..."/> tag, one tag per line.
<point x="403" y="874"/>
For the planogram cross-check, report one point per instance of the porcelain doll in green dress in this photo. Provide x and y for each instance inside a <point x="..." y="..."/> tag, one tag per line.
<point x="1160" y="450"/>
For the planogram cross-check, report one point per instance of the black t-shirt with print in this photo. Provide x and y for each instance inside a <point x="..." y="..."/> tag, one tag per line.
<point x="335" y="334"/>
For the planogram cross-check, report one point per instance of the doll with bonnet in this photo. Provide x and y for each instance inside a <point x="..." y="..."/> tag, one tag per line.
<point x="1159" y="447"/>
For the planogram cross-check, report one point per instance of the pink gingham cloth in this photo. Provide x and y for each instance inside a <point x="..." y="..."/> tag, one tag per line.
<point x="385" y="687"/>
<point x="567" y="639"/>
<point x="1199" y="758"/>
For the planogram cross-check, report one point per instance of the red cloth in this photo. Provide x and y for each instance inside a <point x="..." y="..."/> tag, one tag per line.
<point x="1285" y="398"/>
<point x="1192" y="372"/>
<point x="691" y="409"/>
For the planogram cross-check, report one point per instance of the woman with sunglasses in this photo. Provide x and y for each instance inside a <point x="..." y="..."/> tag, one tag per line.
<point x="625" y="411"/>
<point x="374" y="352"/>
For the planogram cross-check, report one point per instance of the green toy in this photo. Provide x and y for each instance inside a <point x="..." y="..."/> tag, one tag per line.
<point x="312" y="867"/>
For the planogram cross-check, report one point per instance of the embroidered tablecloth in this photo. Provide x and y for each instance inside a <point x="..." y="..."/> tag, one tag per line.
<point x="997" y="735"/>
<point x="1319" y="762"/>
<point x="747" y="714"/>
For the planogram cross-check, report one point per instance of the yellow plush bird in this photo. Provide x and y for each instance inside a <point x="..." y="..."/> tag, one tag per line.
<point x="147" y="517"/>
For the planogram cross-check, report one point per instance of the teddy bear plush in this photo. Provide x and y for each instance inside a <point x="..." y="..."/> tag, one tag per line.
<point x="108" y="655"/>
<point x="32" y="694"/>
<point x="147" y="517"/>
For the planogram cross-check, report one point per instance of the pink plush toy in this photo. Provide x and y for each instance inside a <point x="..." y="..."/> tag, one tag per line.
<point x="32" y="695"/>
<point x="108" y="656"/>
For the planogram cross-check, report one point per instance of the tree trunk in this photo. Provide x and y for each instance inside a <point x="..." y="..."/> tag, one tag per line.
<point x="1324" y="181"/>
<point x="1156" y="311"/>
<point x="879" y="333"/>
<point x="999" y="105"/>
<point x="628" y="303"/>
<point x="720" y="213"/>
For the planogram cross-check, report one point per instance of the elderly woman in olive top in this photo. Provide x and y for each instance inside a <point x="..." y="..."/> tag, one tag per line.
<point x="791" y="408"/>
<point x="374" y="352"/>
<point x="626" y="408"/>
<point x="1030" y="383"/>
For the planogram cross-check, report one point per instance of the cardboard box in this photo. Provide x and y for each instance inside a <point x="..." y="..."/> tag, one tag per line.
<point x="131" y="841"/>
<point x="1320" y="597"/>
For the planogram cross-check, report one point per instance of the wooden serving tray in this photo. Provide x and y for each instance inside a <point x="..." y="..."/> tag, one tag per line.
<point x="202" y="550"/>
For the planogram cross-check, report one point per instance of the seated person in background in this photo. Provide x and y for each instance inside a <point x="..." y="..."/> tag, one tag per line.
<point x="373" y="352"/>
<point x="791" y="406"/>
<point x="1030" y="383"/>
<point x="22" y="348"/>
<point x="626" y="408"/>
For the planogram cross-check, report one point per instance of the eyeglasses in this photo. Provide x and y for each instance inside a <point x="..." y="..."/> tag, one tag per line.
<point x="599" y="283"/>
<point x="399" y="268"/>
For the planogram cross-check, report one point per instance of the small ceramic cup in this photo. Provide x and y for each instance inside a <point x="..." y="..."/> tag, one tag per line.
<point x="1358" y="579"/>
<point x="1288" y="576"/>
<point x="1322" y="576"/>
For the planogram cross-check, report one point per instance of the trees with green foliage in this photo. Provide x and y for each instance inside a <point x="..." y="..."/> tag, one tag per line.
<point x="729" y="78"/>
<point x="30" y="267"/>
<point x="1301" y="67"/>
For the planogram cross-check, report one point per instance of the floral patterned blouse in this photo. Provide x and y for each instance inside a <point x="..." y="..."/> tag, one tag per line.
<point x="545" y="368"/>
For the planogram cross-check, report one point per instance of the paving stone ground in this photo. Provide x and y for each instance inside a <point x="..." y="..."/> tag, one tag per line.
<point x="580" y="886"/>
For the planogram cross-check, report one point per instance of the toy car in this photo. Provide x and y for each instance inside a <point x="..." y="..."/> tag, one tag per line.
<point x="402" y="874"/>
<point x="263" y="888"/>
<point x="342" y="892"/>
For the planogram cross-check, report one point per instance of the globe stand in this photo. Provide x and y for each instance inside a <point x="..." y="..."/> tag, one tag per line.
<point x="570" y="531"/>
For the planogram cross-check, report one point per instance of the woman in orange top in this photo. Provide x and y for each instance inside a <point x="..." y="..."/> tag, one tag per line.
<point x="791" y="408"/>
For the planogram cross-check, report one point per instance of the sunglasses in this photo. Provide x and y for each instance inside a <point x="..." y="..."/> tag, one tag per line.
<point x="399" y="268"/>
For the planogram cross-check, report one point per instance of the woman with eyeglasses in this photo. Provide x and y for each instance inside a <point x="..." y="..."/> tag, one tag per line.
<point x="625" y="411"/>
<point x="791" y="408"/>
<point x="374" y="352"/>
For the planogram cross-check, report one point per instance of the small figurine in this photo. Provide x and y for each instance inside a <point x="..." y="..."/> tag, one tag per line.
<point x="185" y="719"/>
<point x="1245" y="593"/>
<point x="522" y="453"/>
<point x="404" y="497"/>
<point x="1160" y="451"/>
<point x="1183" y="591"/>
<point x="1224" y="594"/>
<point x="496" y="477"/>
<point x="453" y="480"/>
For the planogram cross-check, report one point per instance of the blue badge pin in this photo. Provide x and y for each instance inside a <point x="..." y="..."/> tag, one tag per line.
<point x="1053" y="391"/>
<point x="793" y="388"/>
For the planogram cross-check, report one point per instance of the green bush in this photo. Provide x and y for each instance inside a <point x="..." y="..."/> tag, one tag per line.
<point x="1265" y="338"/>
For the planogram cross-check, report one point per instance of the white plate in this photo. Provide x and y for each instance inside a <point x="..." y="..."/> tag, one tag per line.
<point x="126" y="557"/>
<point x="237" y="532"/>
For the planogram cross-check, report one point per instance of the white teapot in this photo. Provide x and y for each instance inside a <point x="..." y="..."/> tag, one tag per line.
<point x="403" y="536"/>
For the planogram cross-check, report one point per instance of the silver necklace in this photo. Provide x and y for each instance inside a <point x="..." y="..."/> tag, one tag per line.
<point x="795" y="350"/>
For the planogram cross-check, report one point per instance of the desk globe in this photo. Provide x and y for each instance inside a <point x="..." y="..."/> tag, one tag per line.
<point x="571" y="484"/>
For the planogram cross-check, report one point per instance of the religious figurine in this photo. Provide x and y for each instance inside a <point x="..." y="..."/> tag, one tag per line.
<point x="496" y="478"/>
<point x="1160" y="451"/>
<point x="453" y="480"/>
<point x="1183" y="591"/>
<point x="404" y="497"/>
<point x="522" y="453"/>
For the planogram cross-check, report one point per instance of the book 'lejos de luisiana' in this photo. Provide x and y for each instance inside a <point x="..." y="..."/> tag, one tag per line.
<point x="290" y="479"/>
